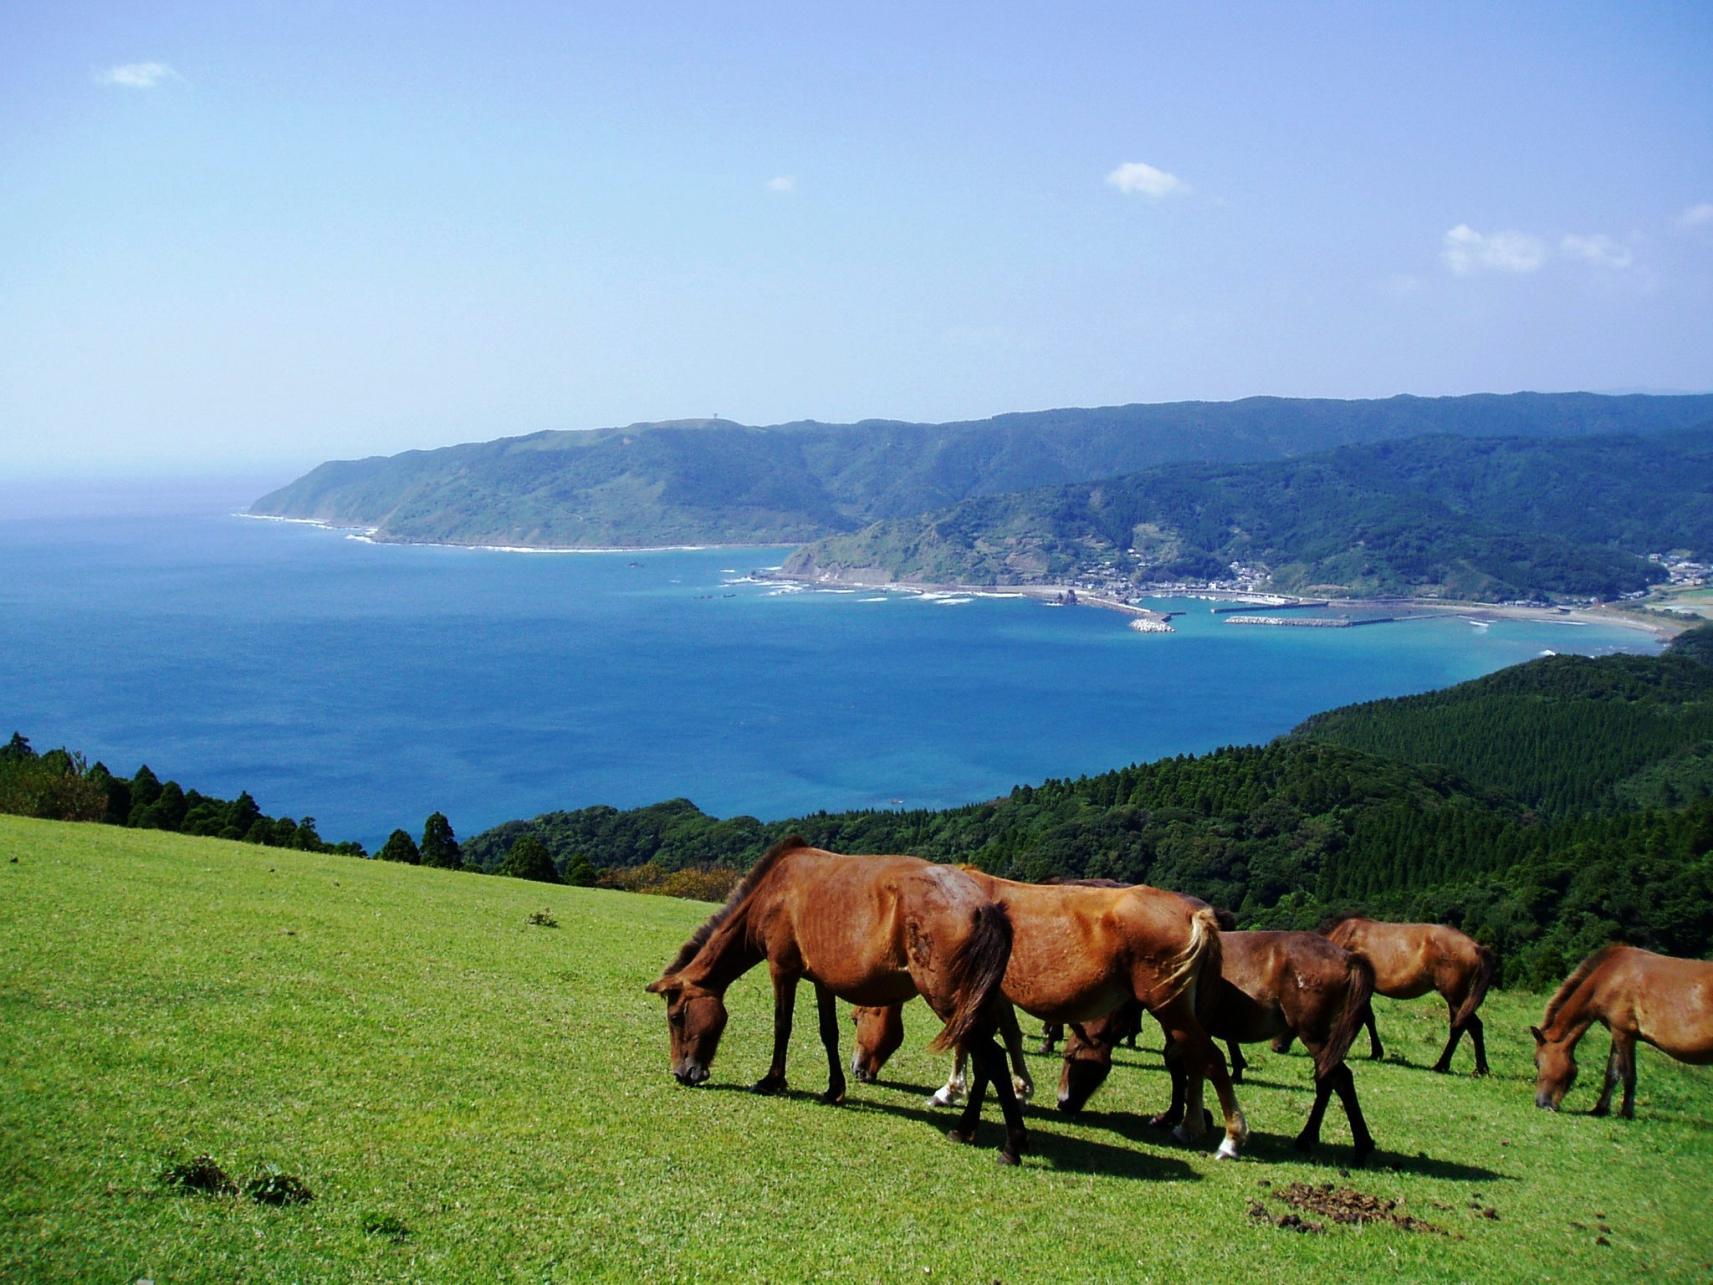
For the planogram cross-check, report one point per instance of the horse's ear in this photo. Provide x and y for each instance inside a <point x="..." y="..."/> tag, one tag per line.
<point x="1536" y="1032"/>
<point x="659" y="984"/>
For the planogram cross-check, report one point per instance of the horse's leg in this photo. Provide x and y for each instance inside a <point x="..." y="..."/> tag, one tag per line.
<point x="964" y="1130"/>
<point x="1174" y="1059"/>
<point x="1478" y="1039"/>
<point x="1608" y="1080"/>
<point x="1310" y="1135"/>
<point x="828" y="1011"/>
<point x="955" y="1087"/>
<point x="1444" y="1063"/>
<point x="1374" y="1050"/>
<point x="1238" y="1062"/>
<point x="1205" y="1061"/>
<point x="784" y="1002"/>
<point x="1344" y="1084"/>
<point x="1625" y="1045"/>
<point x="990" y="1067"/>
<point x="1021" y="1083"/>
<point x="1051" y="1034"/>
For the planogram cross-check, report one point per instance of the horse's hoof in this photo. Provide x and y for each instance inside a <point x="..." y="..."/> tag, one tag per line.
<point x="767" y="1086"/>
<point x="1237" y="1077"/>
<point x="1184" y="1136"/>
<point x="1359" y="1157"/>
<point x="1304" y="1143"/>
<point x="1599" y="1110"/>
<point x="1008" y="1158"/>
<point x="833" y="1098"/>
<point x="1165" y="1120"/>
<point x="1481" y="1071"/>
<point x="961" y="1138"/>
<point x="1024" y="1089"/>
<point x="1227" y="1151"/>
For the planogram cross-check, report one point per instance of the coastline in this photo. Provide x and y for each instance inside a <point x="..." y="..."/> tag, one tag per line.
<point x="365" y="535"/>
<point x="1603" y="615"/>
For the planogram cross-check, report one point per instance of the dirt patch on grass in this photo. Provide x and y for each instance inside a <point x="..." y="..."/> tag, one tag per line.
<point x="203" y="1175"/>
<point x="1339" y="1205"/>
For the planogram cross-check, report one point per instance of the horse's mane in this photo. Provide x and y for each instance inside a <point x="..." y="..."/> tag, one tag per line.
<point x="1569" y="985"/>
<point x="757" y="872"/>
<point x="1332" y="921"/>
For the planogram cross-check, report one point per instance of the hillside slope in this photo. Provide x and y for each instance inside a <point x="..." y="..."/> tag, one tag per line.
<point x="470" y="1097"/>
<point x="1484" y="519"/>
<point x="717" y="482"/>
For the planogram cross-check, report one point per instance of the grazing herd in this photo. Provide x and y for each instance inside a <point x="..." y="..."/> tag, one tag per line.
<point x="1095" y="956"/>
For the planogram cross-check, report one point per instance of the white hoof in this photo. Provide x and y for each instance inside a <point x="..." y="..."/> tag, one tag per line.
<point x="1024" y="1089"/>
<point x="1227" y="1151"/>
<point x="944" y="1099"/>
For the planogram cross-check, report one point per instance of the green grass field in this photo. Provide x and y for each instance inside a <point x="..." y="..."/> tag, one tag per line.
<point x="473" y="1097"/>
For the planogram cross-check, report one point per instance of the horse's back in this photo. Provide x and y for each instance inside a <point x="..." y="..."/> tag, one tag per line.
<point x="1667" y="1001"/>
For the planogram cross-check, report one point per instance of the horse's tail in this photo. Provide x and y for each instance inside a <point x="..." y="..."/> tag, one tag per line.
<point x="1202" y="953"/>
<point x="1358" y="993"/>
<point x="978" y="970"/>
<point x="1486" y="965"/>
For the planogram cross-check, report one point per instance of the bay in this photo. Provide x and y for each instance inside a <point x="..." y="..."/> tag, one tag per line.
<point x="369" y="685"/>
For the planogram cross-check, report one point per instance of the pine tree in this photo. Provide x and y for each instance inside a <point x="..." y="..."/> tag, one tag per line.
<point x="579" y="873"/>
<point x="439" y="844"/>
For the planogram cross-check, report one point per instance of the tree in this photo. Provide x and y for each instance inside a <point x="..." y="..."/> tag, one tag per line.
<point x="530" y="859"/>
<point x="145" y="789"/>
<point x="400" y="847"/>
<point x="440" y="845"/>
<point x="579" y="873"/>
<point x="17" y="748"/>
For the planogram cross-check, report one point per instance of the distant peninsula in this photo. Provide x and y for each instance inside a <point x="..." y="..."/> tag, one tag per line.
<point x="1297" y="494"/>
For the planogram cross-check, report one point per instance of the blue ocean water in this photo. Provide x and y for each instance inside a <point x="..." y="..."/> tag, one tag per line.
<point x="369" y="685"/>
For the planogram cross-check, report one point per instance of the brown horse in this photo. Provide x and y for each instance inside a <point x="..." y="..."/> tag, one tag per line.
<point x="1272" y="984"/>
<point x="1078" y="952"/>
<point x="873" y="930"/>
<point x="1667" y="1002"/>
<point x="1412" y="959"/>
<point x="880" y="1032"/>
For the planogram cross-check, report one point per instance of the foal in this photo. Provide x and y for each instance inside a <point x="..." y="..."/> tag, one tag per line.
<point x="1662" y="1000"/>
<point x="872" y="930"/>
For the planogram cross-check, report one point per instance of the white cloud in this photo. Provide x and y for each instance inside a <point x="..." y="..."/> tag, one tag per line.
<point x="1137" y="178"/>
<point x="784" y="184"/>
<point x="1597" y="248"/>
<point x="1696" y="216"/>
<point x="1467" y="251"/>
<point x="136" y="75"/>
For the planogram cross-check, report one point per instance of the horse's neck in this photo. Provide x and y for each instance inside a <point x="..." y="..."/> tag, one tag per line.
<point x="727" y="955"/>
<point x="1578" y="1012"/>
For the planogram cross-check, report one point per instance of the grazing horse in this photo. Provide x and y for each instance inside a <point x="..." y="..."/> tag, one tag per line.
<point x="1666" y="1001"/>
<point x="872" y="930"/>
<point x="1078" y="952"/>
<point x="1272" y="984"/>
<point x="880" y="1032"/>
<point x="1412" y="959"/>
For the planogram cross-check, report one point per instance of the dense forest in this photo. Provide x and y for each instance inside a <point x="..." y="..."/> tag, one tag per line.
<point x="1482" y="519"/>
<point x="718" y="482"/>
<point x="1546" y="809"/>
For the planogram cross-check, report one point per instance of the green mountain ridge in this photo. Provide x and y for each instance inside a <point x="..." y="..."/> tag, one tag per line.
<point x="718" y="482"/>
<point x="1456" y="517"/>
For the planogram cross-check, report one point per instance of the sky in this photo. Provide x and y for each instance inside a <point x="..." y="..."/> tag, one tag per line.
<point x="245" y="238"/>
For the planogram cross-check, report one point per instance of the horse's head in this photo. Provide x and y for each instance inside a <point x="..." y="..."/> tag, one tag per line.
<point x="879" y="1032"/>
<point x="695" y="1018"/>
<point x="1088" y="1059"/>
<point x="1555" y="1069"/>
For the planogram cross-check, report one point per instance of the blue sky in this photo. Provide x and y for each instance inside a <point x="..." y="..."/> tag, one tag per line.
<point x="254" y="236"/>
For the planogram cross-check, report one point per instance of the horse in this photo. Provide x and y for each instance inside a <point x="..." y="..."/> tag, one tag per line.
<point x="1078" y="952"/>
<point x="1412" y="959"/>
<point x="880" y="1032"/>
<point x="1271" y="984"/>
<point x="1663" y="1000"/>
<point x="872" y="930"/>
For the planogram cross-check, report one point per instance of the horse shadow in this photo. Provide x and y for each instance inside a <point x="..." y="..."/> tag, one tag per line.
<point x="1062" y="1152"/>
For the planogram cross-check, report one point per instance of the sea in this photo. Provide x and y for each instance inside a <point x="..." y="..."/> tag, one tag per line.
<point x="368" y="685"/>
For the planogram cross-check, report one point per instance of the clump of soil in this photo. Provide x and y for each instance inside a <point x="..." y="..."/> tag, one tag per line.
<point x="274" y="1188"/>
<point x="1345" y="1205"/>
<point x="202" y="1176"/>
<point x="1290" y="1222"/>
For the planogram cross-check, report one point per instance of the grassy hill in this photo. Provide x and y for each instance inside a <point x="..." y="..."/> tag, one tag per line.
<point x="473" y="1097"/>
<point x="718" y="482"/>
<point x="1484" y="519"/>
